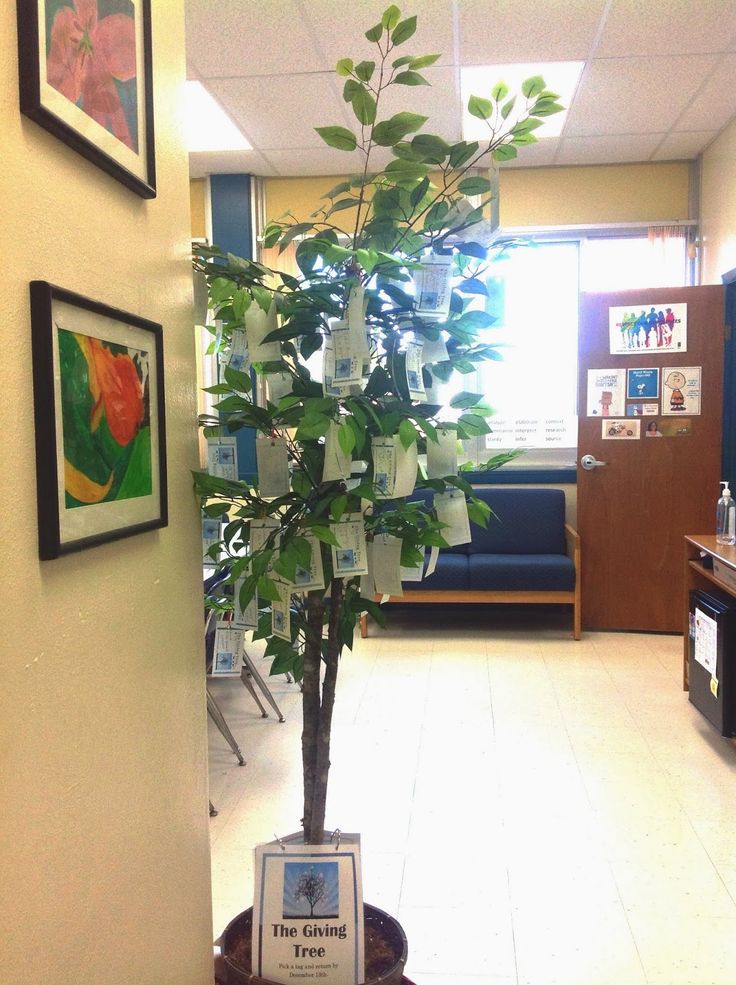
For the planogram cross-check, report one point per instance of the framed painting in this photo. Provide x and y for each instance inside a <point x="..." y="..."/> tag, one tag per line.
<point x="85" y="76"/>
<point x="98" y="394"/>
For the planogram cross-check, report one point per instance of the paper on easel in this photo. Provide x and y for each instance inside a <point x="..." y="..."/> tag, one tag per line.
<point x="260" y="531"/>
<point x="442" y="454"/>
<point x="394" y="467"/>
<point x="434" y="351"/>
<point x="308" y="912"/>
<point x="312" y="578"/>
<point x="337" y="463"/>
<point x="279" y="385"/>
<point x="239" y="358"/>
<point x="222" y="458"/>
<point x="259" y="324"/>
<point x="281" y="611"/>
<point x="434" y="286"/>
<point x="246" y="618"/>
<point x="227" y="657"/>
<point x="385" y="563"/>
<point x="452" y="509"/>
<point x="272" y="463"/>
<point x="414" y="369"/>
<point x="357" y="304"/>
<point x="351" y="557"/>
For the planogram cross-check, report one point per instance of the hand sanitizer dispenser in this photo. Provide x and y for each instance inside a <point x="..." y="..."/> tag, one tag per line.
<point x="726" y="517"/>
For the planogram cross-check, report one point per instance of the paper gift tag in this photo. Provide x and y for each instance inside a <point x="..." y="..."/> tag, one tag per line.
<point x="350" y="557"/>
<point x="329" y="387"/>
<point x="452" y="509"/>
<point x="258" y="324"/>
<point x="415" y="573"/>
<point x="260" y="531"/>
<point x="357" y="304"/>
<point x="406" y="469"/>
<point x="385" y="563"/>
<point x="434" y="351"/>
<point x="312" y="578"/>
<point x="281" y="611"/>
<point x="348" y="365"/>
<point x="246" y="618"/>
<point x="337" y="463"/>
<point x="227" y="657"/>
<point x="442" y="455"/>
<point x="394" y="467"/>
<point x="279" y="385"/>
<point x="272" y="462"/>
<point x="414" y="369"/>
<point x="238" y="357"/>
<point x="434" y="289"/>
<point x="308" y="912"/>
<point x="222" y="458"/>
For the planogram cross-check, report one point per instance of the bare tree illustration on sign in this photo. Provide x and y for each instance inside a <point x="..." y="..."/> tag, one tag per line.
<point x="311" y="887"/>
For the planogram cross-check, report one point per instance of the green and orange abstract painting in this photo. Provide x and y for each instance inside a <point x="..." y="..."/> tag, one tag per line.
<point x="91" y="59"/>
<point x="105" y="410"/>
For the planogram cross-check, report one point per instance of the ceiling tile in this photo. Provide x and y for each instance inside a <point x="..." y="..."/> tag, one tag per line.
<point x="339" y="29"/>
<point x="242" y="37"/>
<point x="608" y="150"/>
<point x="644" y="27"/>
<point x="535" y="155"/>
<point x="683" y="146"/>
<point x="202" y="163"/>
<point x="527" y="31"/>
<point x="281" y="111"/>
<point x="715" y="104"/>
<point x="439" y="101"/>
<point x="325" y="161"/>
<point x="634" y="95"/>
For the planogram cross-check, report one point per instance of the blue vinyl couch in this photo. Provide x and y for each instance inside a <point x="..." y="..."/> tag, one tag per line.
<point x="526" y="554"/>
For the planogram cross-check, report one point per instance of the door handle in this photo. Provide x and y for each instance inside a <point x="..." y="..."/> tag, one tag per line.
<point x="590" y="462"/>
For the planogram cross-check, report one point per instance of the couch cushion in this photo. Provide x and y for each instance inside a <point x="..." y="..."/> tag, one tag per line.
<point x="526" y="521"/>
<point x="521" y="573"/>
<point x="451" y="574"/>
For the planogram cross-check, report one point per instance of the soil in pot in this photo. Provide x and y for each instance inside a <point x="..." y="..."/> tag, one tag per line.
<point x="385" y="948"/>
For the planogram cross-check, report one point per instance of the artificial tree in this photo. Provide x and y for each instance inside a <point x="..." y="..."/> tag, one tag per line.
<point x="361" y="246"/>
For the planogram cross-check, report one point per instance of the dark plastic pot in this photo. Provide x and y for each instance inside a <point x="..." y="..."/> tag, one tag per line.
<point x="373" y="918"/>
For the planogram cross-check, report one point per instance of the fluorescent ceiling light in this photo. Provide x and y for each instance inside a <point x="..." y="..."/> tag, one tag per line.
<point x="208" y="127"/>
<point x="478" y="80"/>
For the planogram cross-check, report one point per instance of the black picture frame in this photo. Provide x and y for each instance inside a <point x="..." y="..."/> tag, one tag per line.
<point x="123" y="103"/>
<point x="98" y="396"/>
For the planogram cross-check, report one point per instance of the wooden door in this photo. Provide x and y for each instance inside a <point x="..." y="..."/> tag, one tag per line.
<point x="634" y="511"/>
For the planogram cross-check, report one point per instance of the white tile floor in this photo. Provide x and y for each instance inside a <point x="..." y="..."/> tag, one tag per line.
<point x="534" y="810"/>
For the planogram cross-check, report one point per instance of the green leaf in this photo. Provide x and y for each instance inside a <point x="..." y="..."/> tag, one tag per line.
<point x="499" y="91"/>
<point x="340" y="189"/>
<point x="374" y="34"/>
<point x="410" y="79"/>
<point x="548" y="109"/>
<point x="324" y="534"/>
<point x="344" y="66"/>
<point x="474" y="185"/>
<point x="267" y="589"/>
<point x="507" y="107"/>
<point x="364" y="70"/>
<point x="533" y="86"/>
<point x="391" y="131"/>
<point x="344" y="203"/>
<point x="364" y="106"/>
<point x="238" y="380"/>
<point x="349" y="90"/>
<point x="339" y="137"/>
<point x="505" y="152"/>
<point x="461" y="153"/>
<point x="404" y="30"/>
<point x="472" y="285"/>
<point x="338" y="507"/>
<point x="346" y="439"/>
<point x="390" y="17"/>
<point x="473" y="424"/>
<point x="430" y="147"/>
<point x="480" y="108"/>
<point x="407" y="433"/>
<point x="422" y="61"/>
<point x="466" y="399"/>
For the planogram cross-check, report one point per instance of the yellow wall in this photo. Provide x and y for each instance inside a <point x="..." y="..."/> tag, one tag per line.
<point x="542" y="196"/>
<point x="718" y="207"/>
<point x="197" y="190"/>
<point x="105" y="858"/>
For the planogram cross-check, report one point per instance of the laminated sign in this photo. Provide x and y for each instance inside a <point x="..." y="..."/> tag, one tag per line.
<point x="308" y="912"/>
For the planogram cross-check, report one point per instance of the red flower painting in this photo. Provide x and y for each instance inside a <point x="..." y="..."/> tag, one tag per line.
<point x="87" y="54"/>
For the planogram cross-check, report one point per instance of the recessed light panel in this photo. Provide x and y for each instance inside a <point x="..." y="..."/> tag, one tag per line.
<point x="208" y="127"/>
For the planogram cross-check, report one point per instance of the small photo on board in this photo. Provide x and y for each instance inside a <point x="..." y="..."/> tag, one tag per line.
<point x="224" y="662"/>
<point x="345" y="559"/>
<point x="625" y="430"/>
<point x="343" y="368"/>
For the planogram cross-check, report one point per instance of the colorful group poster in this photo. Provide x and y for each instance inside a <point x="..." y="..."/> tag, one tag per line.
<point x="637" y="329"/>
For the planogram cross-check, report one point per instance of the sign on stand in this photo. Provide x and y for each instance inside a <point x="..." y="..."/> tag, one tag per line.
<point x="308" y="912"/>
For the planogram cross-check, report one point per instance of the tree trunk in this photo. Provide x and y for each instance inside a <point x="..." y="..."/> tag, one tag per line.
<point x="317" y="705"/>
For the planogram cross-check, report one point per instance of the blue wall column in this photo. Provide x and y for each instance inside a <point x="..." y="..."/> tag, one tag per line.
<point x="729" y="382"/>
<point x="232" y="230"/>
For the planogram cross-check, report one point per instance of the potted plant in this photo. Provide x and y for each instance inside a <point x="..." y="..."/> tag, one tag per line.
<point x="351" y="438"/>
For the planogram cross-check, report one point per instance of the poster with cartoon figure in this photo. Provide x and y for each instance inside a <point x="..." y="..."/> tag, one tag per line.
<point x="642" y="384"/>
<point x="681" y="388"/>
<point x="606" y="389"/>
<point x="647" y="329"/>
